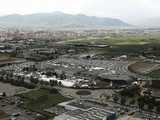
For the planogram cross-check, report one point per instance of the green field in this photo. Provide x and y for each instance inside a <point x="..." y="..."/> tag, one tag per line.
<point x="118" y="40"/>
<point x="155" y="74"/>
<point x="132" y="45"/>
<point x="38" y="100"/>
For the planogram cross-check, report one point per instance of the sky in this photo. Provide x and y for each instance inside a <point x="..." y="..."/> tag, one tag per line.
<point x="127" y="10"/>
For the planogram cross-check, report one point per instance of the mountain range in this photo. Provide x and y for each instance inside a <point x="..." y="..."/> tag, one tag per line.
<point x="60" y="20"/>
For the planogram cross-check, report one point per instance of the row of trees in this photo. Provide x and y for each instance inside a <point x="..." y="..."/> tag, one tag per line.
<point x="8" y="77"/>
<point x="50" y="73"/>
<point x="141" y="101"/>
<point x="31" y="82"/>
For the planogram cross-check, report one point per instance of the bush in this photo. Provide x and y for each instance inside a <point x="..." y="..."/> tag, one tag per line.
<point x="53" y="90"/>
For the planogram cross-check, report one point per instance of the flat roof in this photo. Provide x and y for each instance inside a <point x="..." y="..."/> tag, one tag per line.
<point x="115" y="77"/>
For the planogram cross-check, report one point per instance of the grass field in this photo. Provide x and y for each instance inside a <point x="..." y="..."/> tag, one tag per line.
<point x="155" y="74"/>
<point x="133" y="45"/>
<point x="118" y="40"/>
<point x="38" y="100"/>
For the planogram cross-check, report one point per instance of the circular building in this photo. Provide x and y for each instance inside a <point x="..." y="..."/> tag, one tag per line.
<point x="116" y="80"/>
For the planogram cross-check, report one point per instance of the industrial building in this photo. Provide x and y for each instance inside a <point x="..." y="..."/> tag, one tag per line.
<point x="84" y="112"/>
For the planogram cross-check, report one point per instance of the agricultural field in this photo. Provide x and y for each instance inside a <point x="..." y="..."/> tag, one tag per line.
<point x="117" y="40"/>
<point x="131" y="45"/>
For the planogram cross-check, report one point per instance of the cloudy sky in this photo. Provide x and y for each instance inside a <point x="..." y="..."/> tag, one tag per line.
<point x="127" y="10"/>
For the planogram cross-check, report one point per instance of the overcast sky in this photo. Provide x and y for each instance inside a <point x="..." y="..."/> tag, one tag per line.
<point x="127" y="10"/>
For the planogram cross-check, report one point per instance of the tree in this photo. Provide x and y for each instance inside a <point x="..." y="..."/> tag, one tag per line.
<point x="158" y="109"/>
<point x="49" y="74"/>
<point x="46" y="83"/>
<point x="107" y="97"/>
<point x="4" y="94"/>
<point x="141" y="102"/>
<point x="63" y="76"/>
<point x="132" y="102"/>
<point x="29" y="85"/>
<point x="53" y="91"/>
<point x="150" y="106"/>
<point x="115" y="98"/>
<point x="33" y="68"/>
<point x="53" y="83"/>
<point x="34" y="80"/>
<point x="123" y="100"/>
<point x="41" y="82"/>
<point x="60" y="83"/>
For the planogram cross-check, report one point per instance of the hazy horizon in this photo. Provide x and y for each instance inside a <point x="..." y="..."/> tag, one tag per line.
<point x="129" y="11"/>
